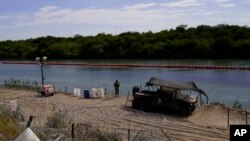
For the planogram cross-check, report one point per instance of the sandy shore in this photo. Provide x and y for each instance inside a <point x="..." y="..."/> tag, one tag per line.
<point x="207" y="123"/>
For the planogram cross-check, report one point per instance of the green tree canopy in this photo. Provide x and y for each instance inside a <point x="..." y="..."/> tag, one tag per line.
<point x="203" y="41"/>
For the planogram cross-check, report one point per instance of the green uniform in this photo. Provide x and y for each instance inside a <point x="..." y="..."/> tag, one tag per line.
<point x="116" y="85"/>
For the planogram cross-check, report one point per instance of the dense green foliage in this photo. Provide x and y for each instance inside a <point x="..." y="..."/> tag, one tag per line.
<point x="221" y="41"/>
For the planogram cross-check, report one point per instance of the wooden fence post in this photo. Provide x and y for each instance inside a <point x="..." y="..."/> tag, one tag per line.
<point x="228" y="117"/>
<point x="73" y="132"/>
<point x="246" y="117"/>
<point x="127" y="100"/>
<point x="29" y="121"/>
<point x="65" y="89"/>
<point x="200" y="100"/>
<point x="105" y="89"/>
<point x="128" y="134"/>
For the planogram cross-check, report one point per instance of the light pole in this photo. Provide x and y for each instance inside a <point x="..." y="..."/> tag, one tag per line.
<point x="41" y="62"/>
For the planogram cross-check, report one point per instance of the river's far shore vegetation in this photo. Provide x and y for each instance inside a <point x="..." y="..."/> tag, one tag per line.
<point x="203" y="42"/>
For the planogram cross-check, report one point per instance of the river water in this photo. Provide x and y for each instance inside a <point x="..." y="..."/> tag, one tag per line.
<point x="224" y="86"/>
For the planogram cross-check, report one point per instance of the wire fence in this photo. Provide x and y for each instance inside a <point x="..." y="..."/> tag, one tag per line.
<point x="94" y="122"/>
<point x="136" y="126"/>
<point x="64" y="87"/>
<point x="237" y="117"/>
<point x="228" y="94"/>
<point x="88" y="133"/>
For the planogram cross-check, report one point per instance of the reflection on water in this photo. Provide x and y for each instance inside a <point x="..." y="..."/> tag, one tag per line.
<point x="221" y="85"/>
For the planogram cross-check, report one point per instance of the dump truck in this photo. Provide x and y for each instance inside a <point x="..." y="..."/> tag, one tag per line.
<point x="168" y="95"/>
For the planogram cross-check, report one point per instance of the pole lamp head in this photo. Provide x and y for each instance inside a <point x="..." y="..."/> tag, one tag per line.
<point x="44" y="58"/>
<point x="37" y="59"/>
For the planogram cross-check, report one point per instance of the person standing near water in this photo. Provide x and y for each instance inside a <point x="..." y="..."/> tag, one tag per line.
<point x="117" y="85"/>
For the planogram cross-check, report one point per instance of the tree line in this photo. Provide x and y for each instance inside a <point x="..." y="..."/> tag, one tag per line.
<point x="203" y="42"/>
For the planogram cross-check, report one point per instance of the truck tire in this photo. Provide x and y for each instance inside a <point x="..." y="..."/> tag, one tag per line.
<point x="144" y="105"/>
<point x="184" y="109"/>
<point x="193" y="108"/>
<point x="135" y="89"/>
<point x="135" y="105"/>
<point x="43" y="93"/>
<point x="140" y="104"/>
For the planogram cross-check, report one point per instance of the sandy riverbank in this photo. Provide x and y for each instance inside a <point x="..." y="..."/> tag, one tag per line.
<point x="207" y="123"/>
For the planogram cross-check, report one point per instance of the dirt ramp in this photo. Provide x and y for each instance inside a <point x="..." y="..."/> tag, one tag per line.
<point x="217" y="115"/>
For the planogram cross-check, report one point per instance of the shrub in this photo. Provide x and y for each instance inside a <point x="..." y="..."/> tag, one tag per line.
<point x="57" y="120"/>
<point x="9" y="123"/>
<point x="87" y="132"/>
<point x="237" y="105"/>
